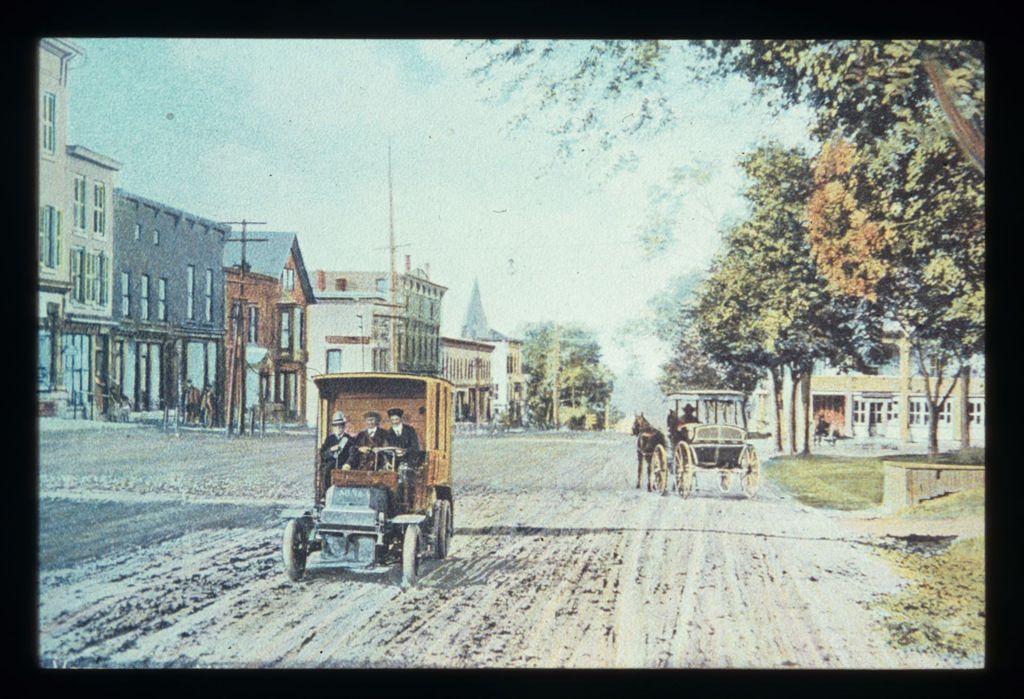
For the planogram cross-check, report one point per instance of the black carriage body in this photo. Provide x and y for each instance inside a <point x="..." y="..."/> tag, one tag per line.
<point x="718" y="446"/>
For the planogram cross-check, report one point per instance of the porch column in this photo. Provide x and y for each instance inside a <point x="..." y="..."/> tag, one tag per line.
<point x="848" y="414"/>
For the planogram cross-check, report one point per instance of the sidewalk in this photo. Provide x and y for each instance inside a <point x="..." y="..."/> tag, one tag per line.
<point x="853" y="448"/>
<point x="152" y="421"/>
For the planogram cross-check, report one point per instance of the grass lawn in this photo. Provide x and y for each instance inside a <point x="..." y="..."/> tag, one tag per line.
<point x="966" y="503"/>
<point x="943" y="609"/>
<point x="841" y="483"/>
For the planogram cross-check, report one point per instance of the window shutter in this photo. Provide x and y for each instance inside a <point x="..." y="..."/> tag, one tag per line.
<point x="103" y="279"/>
<point x="57" y="240"/>
<point x="42" y="233"/>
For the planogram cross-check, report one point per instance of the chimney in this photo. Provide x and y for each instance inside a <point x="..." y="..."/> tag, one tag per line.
<point x="427" y="270"/>
<point x="408" y="263"/>
<point x="321" y="280"/>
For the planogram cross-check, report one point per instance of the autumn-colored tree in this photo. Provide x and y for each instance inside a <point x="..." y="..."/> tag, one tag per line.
<point x="767" y="304"/>
<point x="908" y="234"/>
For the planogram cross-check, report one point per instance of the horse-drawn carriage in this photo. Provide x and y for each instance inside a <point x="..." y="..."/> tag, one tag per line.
<point x="705" y="433"/>
<point x="398" y="504"/>
<point x="709" y="435"/>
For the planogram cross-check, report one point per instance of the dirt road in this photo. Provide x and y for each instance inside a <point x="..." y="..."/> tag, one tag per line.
<point x="557" y="562"/>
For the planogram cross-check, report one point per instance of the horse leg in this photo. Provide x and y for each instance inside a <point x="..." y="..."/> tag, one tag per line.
<point x="639" y="467"/>
<point x="648" y="459"/>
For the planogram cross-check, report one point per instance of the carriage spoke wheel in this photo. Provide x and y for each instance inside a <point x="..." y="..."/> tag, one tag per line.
<point x="686" y="469"/>
<point x="752" y="475"/>
<point x="659" y="470"/>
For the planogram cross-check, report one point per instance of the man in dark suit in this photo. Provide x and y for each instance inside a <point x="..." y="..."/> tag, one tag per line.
<point x="337" y="450"/>
<point x="372" y="436"/>
<point x="402" y="435"/>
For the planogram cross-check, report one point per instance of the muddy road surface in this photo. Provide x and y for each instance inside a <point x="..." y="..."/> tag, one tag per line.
<point x="164" y="551"/>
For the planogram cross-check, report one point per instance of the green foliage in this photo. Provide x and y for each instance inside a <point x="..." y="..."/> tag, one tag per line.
<point x="860" y="90"/>
<point x="835" y="483"/>
<point x="585" y="385"/>
<point x="579" y="84"/>
<point x="765" y="303"/>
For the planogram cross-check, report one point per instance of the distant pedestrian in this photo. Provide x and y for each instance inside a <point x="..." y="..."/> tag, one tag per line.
<point x="821" y="430"/>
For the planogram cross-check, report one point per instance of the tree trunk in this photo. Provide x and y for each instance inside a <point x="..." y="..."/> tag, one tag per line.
<point x="806" y="394"/>
<point x="933" y="429"/>
<point x="777" y="395"/>
<point x="795" y="377"/>
<point x="965" y="403"/>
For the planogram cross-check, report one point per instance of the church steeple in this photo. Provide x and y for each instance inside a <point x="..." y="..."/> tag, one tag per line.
<point x="475" y="326"/>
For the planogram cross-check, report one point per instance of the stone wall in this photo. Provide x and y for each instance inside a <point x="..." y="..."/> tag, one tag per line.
<point x="908" y="483"/>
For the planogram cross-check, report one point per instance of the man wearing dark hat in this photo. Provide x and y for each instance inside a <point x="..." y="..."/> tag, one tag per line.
<point x="689" y="417"/>
<point x="372" y="436"/>
<point x="402" y="435"/>
<point x="337" y="450"/>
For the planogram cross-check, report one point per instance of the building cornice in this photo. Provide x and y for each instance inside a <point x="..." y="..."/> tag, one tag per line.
<point x="61" y="47"/>
<point x="92" y="156"/>
<point x="222" y="228"/>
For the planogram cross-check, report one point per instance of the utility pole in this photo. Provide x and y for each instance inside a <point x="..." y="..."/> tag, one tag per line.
<point x="240" y="329"/>
<point x="362" y="343"/>
<point x="394" y="273"/>
<point x="557" y="395"/>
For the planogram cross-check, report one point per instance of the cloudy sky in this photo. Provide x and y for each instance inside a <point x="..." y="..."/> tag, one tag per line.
<point x="296" y="133"/>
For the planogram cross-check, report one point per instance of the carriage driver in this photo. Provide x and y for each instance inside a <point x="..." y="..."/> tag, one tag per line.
<point x="337" y="450"/>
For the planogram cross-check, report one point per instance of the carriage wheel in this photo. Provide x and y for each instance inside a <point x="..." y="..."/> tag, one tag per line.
<point x="751" y="478"/>
<point x="686" y="469"/>
<point x="678" y="455"/>
<point x="659" y="470"/>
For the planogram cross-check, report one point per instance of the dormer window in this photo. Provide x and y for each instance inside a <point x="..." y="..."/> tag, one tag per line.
<point x="288" y="278"/>
<point x="156" y="236"/>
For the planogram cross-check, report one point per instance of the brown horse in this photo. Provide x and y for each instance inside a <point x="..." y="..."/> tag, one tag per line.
<point x="647" y="439"/>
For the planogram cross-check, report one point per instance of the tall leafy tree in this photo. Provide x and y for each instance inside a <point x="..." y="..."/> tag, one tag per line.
<point x="908" y="234"/>
<point x="767" y="303"/>
<point x="568" y="357"/>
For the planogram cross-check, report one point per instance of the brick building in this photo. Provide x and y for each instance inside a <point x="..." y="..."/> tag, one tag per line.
<point x="271" y="317"/>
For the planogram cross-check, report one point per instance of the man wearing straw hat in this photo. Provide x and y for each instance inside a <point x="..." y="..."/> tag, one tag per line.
<point x="337" y="450"/>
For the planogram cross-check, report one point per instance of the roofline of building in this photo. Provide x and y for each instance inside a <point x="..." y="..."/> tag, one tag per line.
<point x="94" y="157"/>
<point x="349" y="296"/>
<point x="174" y="211"/>
<point x="458" y="341"/>
<point x="381" y="274"/>
<point x="237" y="269"/>
<point x="65" y="47"/>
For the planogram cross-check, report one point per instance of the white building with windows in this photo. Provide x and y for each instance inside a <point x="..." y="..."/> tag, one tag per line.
<point x="75" y="241"/>
<point x="348" y="330"/>
<point x="890" y="406"/>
